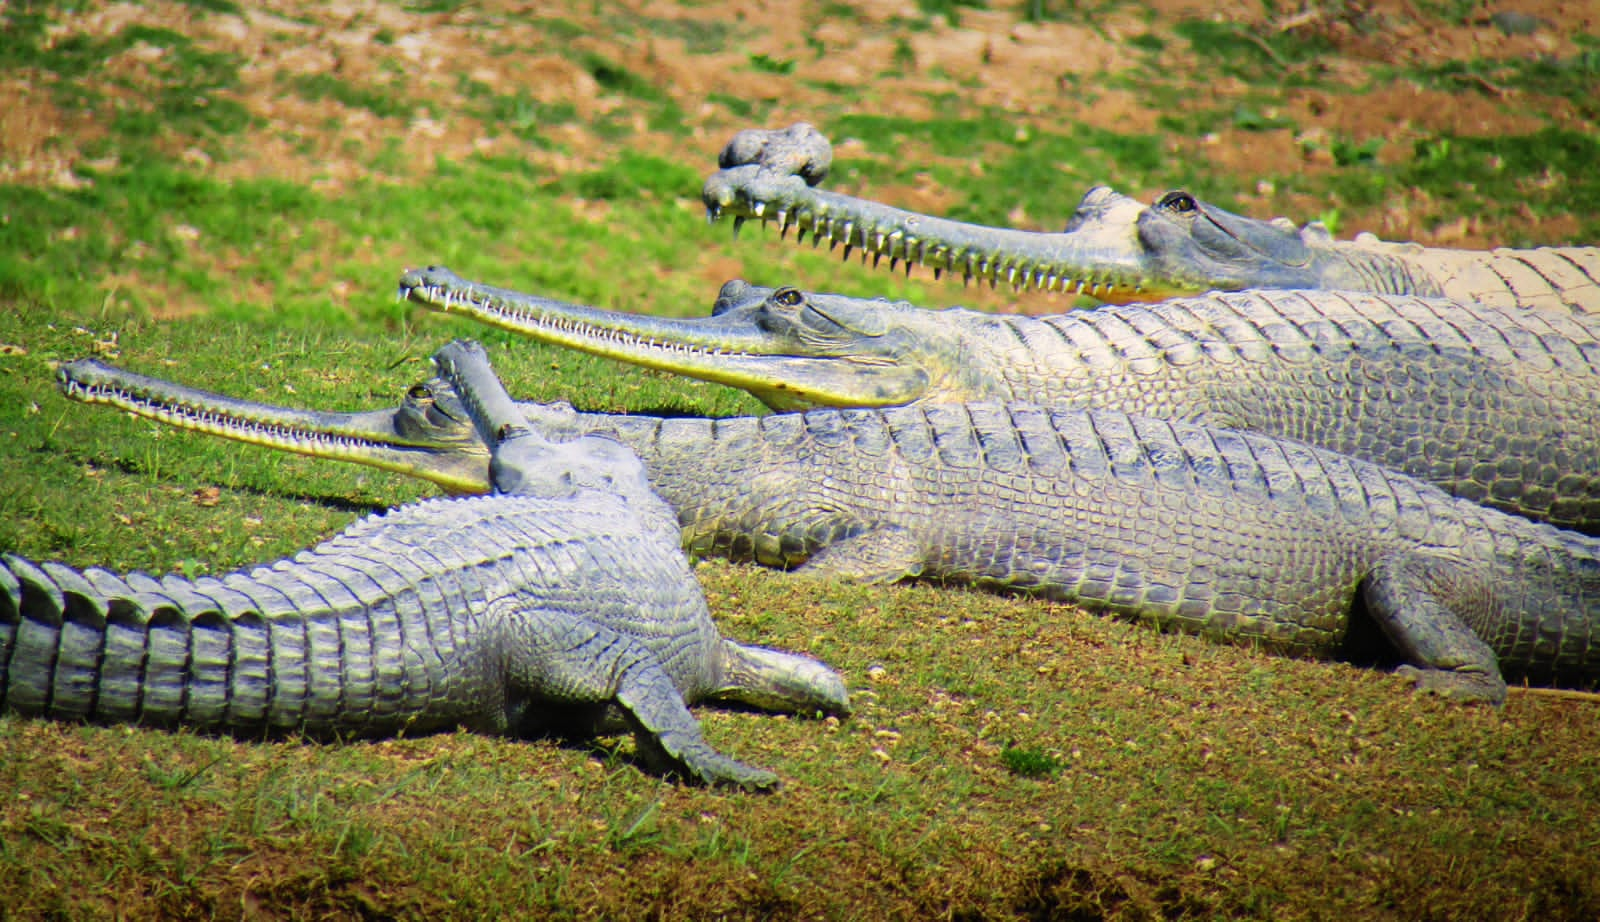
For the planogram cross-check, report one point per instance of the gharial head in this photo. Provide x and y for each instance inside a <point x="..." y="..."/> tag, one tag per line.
<point x="791" y="349"/>
<point x="527" y="457"/>
<point x="1187" y="240"/>
<point x="1115" y="248"/>
<point x="427" y="436"/>
<point x="844" y="351"/>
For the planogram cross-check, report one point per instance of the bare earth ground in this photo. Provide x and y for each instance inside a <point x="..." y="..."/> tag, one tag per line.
<point x="411" y="83"/>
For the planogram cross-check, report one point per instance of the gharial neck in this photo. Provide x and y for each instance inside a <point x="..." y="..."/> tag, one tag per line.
<point x="1561" y="278"/>
<point x="1370" y="265"/>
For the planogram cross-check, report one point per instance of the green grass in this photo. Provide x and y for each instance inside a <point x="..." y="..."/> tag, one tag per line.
<point x="618" y="78"/>
<point x="1572" y="77"/>
<point x="326" y="86"/>
<point x="1007" y="758"/>
<point x="1043" y="172"/>
<point x="525" y="117"/>
<point x="1148" y="770"/>
<point x="185" y="90"/>
<point x="949" y="10"/>
<point x="1233" y="49"/>
<point x="1545" y="172"/>
<point x="699" y="36"/>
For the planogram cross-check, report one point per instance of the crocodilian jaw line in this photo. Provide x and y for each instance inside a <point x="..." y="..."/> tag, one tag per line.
<point x="455" y="461"/>
<point x="902" y="248"/>
<point x="524" y="319"/>
<point x="723" y="349"/>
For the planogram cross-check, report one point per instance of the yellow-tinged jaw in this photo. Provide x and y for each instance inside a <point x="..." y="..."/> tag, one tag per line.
<point x="412" y="440"/>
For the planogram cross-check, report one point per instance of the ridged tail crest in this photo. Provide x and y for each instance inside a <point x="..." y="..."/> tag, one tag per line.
<point x="230" y="653"/>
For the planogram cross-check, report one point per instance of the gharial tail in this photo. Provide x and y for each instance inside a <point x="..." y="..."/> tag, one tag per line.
<point x="97" y="646"/>
<point x="92" y="645"/>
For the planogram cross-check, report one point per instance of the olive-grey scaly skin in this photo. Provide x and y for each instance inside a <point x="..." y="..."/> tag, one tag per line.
<point x="1495" y="405"/>
<point x="1229" y="534"/>
<point x="1117" y="249"/>
<point x="562" y="594"/>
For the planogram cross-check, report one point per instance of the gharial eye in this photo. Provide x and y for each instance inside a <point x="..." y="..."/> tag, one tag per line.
<point x="419" y="392"/>
<point x="1179" y="202"/>
<point x="788" y="297"/>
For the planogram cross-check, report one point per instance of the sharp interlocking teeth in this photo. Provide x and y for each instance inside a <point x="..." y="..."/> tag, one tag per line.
<point x="783" y="224"/>
<point x="894" y="263"/>
<point x="876" y="258"/>
<point x="758" y="209"/>
<point x="738" y="222"/>
<point x="713" y="212"/>
<point x="847" y="248"/>
<point x="937" y="272"/>
<point x="849" y="232"/>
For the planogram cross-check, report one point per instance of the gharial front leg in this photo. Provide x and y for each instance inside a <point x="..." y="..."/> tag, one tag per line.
<point x="568" y="655"/>
<point x="1444" y="655"/>
<point x="558" y="658"/>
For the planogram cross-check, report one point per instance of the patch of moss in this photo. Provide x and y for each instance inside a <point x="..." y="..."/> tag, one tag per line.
<point x="1030" y="763"/>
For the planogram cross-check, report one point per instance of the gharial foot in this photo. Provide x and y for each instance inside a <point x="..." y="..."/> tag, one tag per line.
<point x="775" y="680"/>
<point x="1462" y="687"/>
<point x="694" y="759"/>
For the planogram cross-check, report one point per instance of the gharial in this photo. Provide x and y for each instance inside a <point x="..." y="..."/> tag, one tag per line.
<point x="559" y="597"/>
<point x="1229" y="534"/>
<point x="1117" y="249"/>
<point x="1495" y="405"/>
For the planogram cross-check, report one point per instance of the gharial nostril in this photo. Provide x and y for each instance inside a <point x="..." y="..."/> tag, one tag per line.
<point x="733" y="291"/>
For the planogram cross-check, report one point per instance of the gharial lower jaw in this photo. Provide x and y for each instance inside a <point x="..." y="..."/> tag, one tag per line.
<point x="908" y="250"/>
<point x="213" y="422"/>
